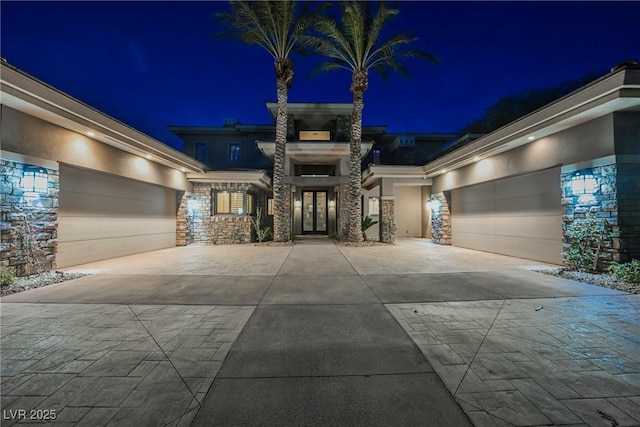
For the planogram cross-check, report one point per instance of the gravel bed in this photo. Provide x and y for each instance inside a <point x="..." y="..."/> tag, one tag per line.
<point x="38" y="281"/>
<point x="365" y="244"/>
<point x="604" y="280"/>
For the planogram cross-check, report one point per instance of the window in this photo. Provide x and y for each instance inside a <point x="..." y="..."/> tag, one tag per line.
<point x="374" y="206"/>
<point x="315" y="135"/>
<point x="250" y="207"/>
<point x="270" y="207"/>
<point x="234" y="153"/>
<point x="202" y="152"/>
<point x="377" y="156"/>
<point x="233" y="202"/>
<point x="406" y="140"/>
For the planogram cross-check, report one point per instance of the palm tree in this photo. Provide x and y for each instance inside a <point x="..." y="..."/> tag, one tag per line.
<point x="356" y="44"/>
<point x="277" y="28"/>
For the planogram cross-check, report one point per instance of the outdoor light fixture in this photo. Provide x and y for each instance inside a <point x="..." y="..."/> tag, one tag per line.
<point x="531" y="138"/>
<point x="585" y="186"/>
<point x="34" y="181"/>
<point x="297" y="204"/>
<point x="434" y="204"/>
<point x="476" y="158"/>
<point x="193" y="205"/>
<point x="332" y="203"/>
<point x="443" y="170"/>
<point x="91" y="133"/>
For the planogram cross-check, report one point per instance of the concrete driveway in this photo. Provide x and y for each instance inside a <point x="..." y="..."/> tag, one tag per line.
<point x="319" y="334"/>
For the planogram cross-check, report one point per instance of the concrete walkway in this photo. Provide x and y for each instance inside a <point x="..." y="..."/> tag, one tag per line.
<point x="319" y="334"/>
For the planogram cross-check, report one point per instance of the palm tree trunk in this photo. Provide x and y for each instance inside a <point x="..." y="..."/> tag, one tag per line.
<point x="354" y="228"/>
<point x="281" y="217"/>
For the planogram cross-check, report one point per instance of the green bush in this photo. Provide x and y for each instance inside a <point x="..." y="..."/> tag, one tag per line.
<point x="262" y="233"/>
<point x="627" y="272"/>
<point x="585" y="240"/>
<point x="366" y="223"/>
<point x="6" y="277"/>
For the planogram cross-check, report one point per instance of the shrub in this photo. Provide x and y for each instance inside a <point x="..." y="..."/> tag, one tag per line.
<point x="585" y="240"/>
<point x="628" y="272"/>
<point x="389" y="229"/>
<point x="6" y="277"/>
<point x="262" y="234"/>
<point x="366" y="223"/>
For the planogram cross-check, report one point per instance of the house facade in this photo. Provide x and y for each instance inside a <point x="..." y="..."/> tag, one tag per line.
<point x="316" y="167"/>
<point x="79" y="186"/>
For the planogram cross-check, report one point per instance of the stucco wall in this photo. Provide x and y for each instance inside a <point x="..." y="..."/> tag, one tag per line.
<point x="408" y="211"/>
<point x="30" y="136"/>
<point x="590" y="140"/>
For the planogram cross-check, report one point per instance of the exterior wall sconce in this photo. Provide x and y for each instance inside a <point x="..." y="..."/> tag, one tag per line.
<point x="585" y="186"/>
<point x="297" y="204"/>
<point x="193" y="205"/>
<point x="434" y="204"/>
<point x="332" y="203"/>
<point x="34" y="181"/>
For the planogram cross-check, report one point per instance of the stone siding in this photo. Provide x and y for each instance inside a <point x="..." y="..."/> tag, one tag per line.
<point x="441" y="219"/>
<point x="387" y="221"/>
<point x="29" y="239"/>
<point x="197" y="224"/>
<point x="183" y="236"/>
<point x="602" y="204"/>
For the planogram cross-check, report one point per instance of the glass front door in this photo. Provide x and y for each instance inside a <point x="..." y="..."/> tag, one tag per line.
<point x="314" y="212"/>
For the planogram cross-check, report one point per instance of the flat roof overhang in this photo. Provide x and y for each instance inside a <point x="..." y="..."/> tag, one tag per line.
<point x="617" y="91"/>
<point x="256" y="177"/>
<point x="30" y="96"/>
<point x="312" y="110"/>
<point x="411" y="175"/>
<point x="314" y="152"/>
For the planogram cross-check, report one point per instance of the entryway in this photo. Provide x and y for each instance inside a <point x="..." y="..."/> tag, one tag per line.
<point x="314" y="212"/>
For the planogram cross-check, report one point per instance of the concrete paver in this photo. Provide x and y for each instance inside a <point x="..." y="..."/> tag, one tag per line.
<point x="411" y="333"/>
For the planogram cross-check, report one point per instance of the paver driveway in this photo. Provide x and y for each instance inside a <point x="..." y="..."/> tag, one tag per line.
<point x="410" y="334"/>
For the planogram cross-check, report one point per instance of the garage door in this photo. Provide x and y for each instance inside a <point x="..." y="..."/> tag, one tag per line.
<point x="103" y="216"/>
<point x="519" y="216"/>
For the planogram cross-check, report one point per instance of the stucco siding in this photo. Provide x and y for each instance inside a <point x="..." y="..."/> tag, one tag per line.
<point x="590" y="140"/>
<point x="103" y="216"/>
<point x="408" y="211"/>
<point x="31" y="136"/>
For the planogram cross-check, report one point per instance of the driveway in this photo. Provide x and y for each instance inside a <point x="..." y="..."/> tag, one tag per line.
<point x="319" y="334"/>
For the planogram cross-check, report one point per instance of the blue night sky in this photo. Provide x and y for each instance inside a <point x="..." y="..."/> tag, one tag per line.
<point x="151" y="64"/>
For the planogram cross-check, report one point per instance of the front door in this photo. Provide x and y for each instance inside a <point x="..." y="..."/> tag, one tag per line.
<point x="314" y="212"/>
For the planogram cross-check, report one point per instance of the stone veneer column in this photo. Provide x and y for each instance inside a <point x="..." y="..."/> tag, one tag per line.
<point x="41" y="215"/>
<point x="603" y="204"/>
<point x="181" y="219"/>
<point x="387" y="219"/>
<point x="441" y="219"/>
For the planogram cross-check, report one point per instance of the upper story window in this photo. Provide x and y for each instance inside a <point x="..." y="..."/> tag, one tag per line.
<point x="315" y="135"/>
<point x="377" y="156"/>
<point x="202" y="152"/>
<point x="234" y="153"/>
<point x="406" y="140"/>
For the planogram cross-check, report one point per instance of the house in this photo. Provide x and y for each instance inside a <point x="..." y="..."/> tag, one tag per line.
<point x="81" y="186"/>
<point x="316" y="168"/>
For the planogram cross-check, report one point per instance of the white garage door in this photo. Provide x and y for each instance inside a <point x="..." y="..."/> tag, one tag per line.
<point x="519" y="216"/>
<point x="103" y="216"/>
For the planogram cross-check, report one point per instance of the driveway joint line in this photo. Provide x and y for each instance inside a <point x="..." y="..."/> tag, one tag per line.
<point x="163" y="352"/>
<point x="478" y="350"/>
